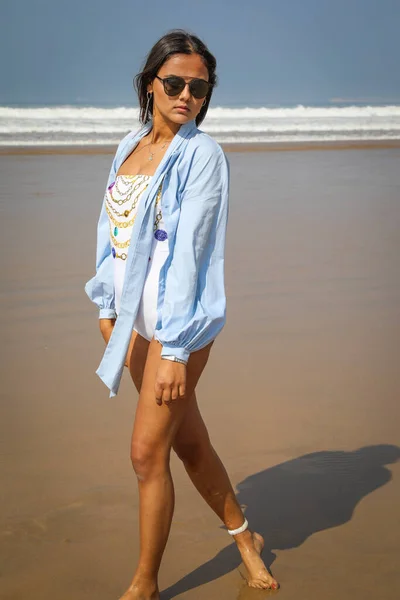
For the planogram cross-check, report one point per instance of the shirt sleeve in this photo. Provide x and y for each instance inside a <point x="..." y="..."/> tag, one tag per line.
<point x="193" y="310"/>
<point x="100" y="288"/>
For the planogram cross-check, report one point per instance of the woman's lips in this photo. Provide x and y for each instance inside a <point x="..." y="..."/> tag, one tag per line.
<point x="182" y="108"/>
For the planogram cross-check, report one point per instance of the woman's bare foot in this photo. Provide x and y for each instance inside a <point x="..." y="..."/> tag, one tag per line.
<point x="250" y="546"/>
<point x="141" y="592"/>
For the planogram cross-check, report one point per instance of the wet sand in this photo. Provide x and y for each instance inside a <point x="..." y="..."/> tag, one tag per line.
<point x="301" y="394"/>
<point x="228" y="147"/>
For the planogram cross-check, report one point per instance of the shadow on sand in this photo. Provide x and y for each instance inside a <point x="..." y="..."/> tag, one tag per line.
<point x="291" y="501"/>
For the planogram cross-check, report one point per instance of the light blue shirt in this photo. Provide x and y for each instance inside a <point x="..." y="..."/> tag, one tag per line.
<point x="191" y="307"/>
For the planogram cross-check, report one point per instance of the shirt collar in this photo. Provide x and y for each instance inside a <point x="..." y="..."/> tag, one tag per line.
<point x="185" y="131"/>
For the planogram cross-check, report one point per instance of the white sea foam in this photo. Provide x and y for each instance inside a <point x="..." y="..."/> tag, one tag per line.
<point x="68" y="125"/>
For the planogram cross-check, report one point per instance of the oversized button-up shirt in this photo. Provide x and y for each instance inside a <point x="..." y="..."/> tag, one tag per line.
<point x="191" y="306"/>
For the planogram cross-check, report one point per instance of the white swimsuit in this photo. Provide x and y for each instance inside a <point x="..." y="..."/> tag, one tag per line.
<point x="122" y="201"/>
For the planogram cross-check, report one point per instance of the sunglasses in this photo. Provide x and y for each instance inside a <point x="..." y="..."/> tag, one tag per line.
<point x="173" y="85"/>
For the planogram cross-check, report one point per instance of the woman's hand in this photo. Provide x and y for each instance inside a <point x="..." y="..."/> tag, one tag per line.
<point x="106" y="327"/>
<point x="170" y="382"/>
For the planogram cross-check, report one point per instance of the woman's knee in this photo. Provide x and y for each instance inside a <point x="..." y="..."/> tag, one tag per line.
<point x="148" y="460"/>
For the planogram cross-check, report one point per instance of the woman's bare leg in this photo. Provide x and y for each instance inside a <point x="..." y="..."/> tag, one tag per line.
<point x="205" y="469"/>
<point x="154" y="432"/>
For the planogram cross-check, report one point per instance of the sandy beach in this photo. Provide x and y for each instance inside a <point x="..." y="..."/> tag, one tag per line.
<point x="228" y="147"/>
<point x="301" y="393"/>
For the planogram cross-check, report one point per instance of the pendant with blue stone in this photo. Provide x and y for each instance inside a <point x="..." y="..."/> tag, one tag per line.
<point x="161" y="235"/>
<point x="113" y="252"/>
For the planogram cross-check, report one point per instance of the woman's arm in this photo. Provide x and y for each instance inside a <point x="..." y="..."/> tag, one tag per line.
<point x="100" y="288"/>
<point x="193" y="310"/>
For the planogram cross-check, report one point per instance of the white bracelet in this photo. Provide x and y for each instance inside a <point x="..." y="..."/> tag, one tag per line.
<point x="239" y="529"/>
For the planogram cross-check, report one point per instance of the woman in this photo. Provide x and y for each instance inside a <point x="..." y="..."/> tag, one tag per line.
<point x="162" y="303"/>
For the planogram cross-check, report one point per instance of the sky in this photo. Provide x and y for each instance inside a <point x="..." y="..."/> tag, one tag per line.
<point x="269" y="52"/>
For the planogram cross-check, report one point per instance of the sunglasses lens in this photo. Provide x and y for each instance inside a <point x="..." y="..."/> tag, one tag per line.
<point x="173" y="85"/>
<point x="199" y="88"/>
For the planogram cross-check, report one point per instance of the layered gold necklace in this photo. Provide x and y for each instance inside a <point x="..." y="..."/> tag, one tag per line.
<point x="135" y="187"/>
<point x="125" y="224"/>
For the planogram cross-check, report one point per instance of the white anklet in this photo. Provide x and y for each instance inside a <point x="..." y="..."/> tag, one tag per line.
<point x="239" y="529"/>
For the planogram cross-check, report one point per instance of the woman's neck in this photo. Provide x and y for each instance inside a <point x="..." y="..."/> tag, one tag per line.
<point x="162" y="131"/>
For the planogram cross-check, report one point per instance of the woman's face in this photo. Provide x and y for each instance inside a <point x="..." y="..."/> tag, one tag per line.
<point x="188" y="66"/>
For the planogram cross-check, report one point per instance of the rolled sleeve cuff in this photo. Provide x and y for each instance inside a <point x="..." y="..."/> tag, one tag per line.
<point x="181" y="353"/>
<point x="107" y="313"/>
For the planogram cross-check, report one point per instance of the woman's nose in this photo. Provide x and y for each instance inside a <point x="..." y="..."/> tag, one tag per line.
<point x="185" y="93"/>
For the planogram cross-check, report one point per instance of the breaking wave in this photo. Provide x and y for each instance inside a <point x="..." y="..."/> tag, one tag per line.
<point x="69" y="125"/>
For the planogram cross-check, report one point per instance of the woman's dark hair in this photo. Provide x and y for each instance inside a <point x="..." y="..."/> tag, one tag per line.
<point x="176" y="41"/>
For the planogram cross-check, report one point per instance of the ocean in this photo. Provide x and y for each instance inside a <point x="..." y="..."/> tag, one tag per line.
<point x="80" y="126"/>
